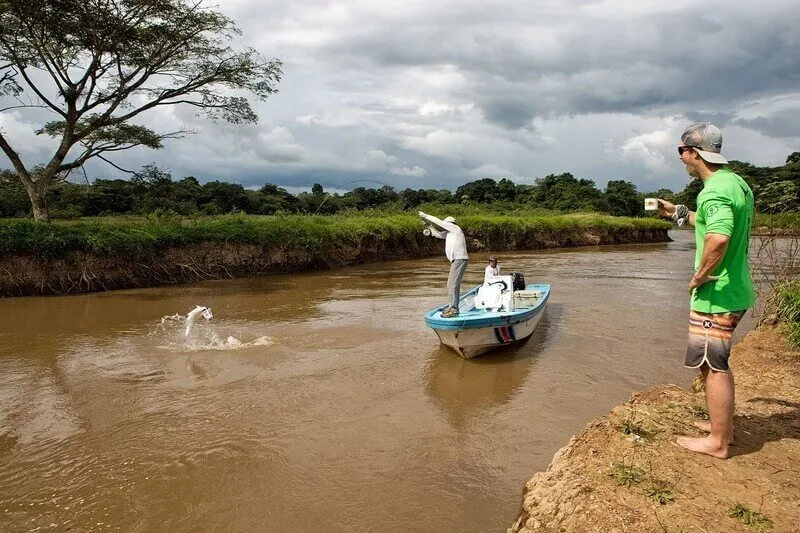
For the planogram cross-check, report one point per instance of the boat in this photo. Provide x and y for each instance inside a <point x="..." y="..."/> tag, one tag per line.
<point x="490" y="316"/>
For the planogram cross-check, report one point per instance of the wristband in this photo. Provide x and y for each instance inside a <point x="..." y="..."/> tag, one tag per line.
<point x="681" y="215"/>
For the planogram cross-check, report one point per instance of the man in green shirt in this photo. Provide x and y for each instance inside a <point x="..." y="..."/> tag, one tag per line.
<point x="721" y="288"/>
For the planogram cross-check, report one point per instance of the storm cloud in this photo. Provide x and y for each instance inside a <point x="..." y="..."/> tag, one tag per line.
<point x="433" y="94"/>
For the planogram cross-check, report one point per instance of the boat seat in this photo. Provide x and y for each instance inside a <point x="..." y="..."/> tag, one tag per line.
<point x="526" y="298"/>
<point x="489" y="297"/>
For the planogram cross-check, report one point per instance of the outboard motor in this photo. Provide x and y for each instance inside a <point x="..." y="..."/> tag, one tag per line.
<point x="519" y="281"/>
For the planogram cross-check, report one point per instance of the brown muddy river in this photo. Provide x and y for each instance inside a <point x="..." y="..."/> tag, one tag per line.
<point x="319" y="402"/>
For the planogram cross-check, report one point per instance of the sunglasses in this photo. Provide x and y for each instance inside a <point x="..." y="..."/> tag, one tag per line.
<point x="682" y="149"/>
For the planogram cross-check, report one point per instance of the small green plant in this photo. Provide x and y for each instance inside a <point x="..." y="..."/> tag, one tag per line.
<point x="632" y="426"/>
<point x="626" y="475"/>
<point x="751" y="518"/>
<point x="659" y="491"/>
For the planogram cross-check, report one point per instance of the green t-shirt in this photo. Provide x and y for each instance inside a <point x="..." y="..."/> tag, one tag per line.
<point x="725" y="206"/>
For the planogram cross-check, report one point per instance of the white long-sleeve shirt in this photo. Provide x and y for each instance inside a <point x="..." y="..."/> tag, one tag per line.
<point x="491" y="272"/>
<point x="455" y="244"/>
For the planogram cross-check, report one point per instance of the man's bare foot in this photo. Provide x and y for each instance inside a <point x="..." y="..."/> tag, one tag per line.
<point x="706" y="426"/>
<point x="703" y="445"/>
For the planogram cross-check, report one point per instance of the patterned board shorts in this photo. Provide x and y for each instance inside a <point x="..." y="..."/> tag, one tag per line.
<point x="710" y="337"/>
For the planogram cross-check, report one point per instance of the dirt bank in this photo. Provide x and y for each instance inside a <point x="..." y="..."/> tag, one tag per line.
<point x="623" y="474"/>
<point x="75" y="272"/>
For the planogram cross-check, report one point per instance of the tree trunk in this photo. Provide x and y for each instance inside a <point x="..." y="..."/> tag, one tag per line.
<point x="39" y="203"/>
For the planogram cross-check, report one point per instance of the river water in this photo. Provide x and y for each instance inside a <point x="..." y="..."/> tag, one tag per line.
<point x="319" y="402"/>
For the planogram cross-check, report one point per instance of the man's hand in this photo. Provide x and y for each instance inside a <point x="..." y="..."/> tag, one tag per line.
<point x="665" y="209"/>
<point x="421" y="214"/>
<point x="696" y="282"/>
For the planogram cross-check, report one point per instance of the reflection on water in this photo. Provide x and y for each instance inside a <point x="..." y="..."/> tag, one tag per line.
<point x="463" y="387"/>
<point x="319" y="402"/>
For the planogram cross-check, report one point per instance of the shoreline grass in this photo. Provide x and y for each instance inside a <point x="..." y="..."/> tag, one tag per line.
<point x="312" y="233"/>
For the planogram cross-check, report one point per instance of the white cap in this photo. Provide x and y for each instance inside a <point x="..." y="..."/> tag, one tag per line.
<point x="449" y="219"/>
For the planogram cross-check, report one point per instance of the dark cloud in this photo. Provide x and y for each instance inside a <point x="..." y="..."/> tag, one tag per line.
<point x="510" y="113"/>
<point x="594" y="63"/>
<point x="785" y="124"/>
<point x="720" y="118"/>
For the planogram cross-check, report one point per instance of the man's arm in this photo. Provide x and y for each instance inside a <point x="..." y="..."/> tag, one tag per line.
<point x="446" y="226"/>
<point x="435" y="232"/>
<point x="714" y="247"/>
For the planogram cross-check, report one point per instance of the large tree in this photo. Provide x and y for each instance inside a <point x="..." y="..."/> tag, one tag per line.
<point x="97" y="64"/>
<point x="623" y="200"/>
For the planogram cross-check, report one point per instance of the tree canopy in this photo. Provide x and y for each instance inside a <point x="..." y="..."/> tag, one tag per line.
<point x="96" y="65"/>
<point x="153" y="190"/>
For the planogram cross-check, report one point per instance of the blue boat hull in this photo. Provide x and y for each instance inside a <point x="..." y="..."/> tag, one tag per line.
<point x="475" y="331"/>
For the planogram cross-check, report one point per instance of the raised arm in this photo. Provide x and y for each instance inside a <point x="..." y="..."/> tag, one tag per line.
<point x="446" y="226"/>
<point x="436" y="232"/>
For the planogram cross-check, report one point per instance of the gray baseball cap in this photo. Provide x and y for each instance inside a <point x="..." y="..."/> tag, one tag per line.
<point x="706" y="139"/>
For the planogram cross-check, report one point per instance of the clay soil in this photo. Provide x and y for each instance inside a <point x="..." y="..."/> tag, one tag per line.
<point x="624" y="474"/>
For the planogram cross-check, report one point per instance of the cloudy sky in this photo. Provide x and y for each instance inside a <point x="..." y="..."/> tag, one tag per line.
<point x="435" y="93"/>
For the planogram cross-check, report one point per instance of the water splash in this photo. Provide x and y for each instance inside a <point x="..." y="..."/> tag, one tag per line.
<point x="199" y="310"/>
<point x="199" y="339"/>
<point x="215" y="342"/>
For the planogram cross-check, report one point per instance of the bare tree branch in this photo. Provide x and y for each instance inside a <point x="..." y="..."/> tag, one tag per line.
<point x="116" y="166"/>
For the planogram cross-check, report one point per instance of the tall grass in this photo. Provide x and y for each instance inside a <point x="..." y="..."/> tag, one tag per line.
<point x="784" y="221"/>
<point x="788" y="309"/>
<point x="313" y="234"/>
<point x="776" y="263"/>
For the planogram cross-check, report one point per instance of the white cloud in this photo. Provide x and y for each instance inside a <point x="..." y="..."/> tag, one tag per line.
<point x="415" y="171"/>
<point x="490" y="171"/>
<point x="650" y="148"/>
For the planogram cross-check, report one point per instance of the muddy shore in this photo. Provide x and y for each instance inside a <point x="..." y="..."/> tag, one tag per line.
<point x="622" y="473"/>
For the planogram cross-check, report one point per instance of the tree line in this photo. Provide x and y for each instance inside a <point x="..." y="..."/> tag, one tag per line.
<point x="153" y="190"/>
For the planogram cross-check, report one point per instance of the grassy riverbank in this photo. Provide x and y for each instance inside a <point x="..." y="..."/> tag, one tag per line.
<point x="121" y="252"/>
<point x="779" y="224"/>
<point x="622" y="473"/>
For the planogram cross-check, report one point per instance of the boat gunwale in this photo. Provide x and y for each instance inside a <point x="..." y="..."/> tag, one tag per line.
<point x="488" y="319"/>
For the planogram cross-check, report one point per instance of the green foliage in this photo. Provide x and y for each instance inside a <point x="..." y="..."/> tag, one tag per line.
<point x="110" y="61"/>
<point x="14" y="201"/>
<point x="789" y="221"/>
<point x="623" y="200"/>
<point x="153" y="189"/>
<point x="788" y="305"/>
<point x="564" y="192"/>
<point x="660" y="492"/>
<point x="319" y="236"/>
<point x="748" y="517"/>
<point x="688" y="196"/>
<point x="626" y="475"/>
<point x="778" y="197"/>
<point x="631" y="426"/>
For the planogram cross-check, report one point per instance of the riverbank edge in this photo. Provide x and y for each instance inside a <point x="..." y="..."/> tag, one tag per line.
<point x="82" y="272"/>
<point x="624" y="472"/>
